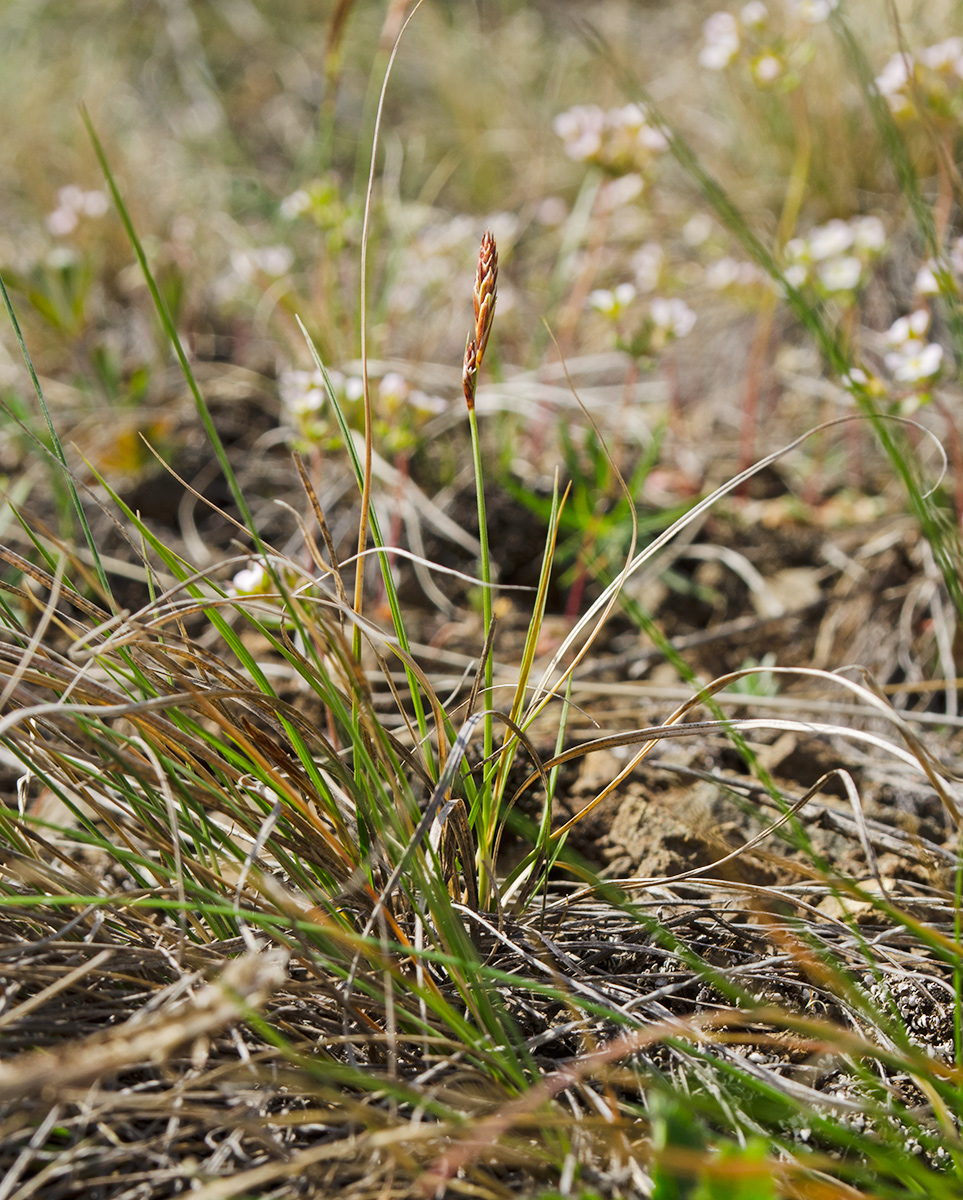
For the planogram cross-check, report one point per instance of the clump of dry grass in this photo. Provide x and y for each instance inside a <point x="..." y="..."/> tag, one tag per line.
<point x="260" y="933"/>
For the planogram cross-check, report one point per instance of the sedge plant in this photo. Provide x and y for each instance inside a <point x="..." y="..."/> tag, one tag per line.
<point x="235" y="784"/>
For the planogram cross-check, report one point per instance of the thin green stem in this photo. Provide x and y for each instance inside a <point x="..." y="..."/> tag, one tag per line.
<point x="488" y="817"/>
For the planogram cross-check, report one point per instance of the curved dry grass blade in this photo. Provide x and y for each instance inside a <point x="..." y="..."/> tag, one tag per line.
<point x="604" y="604"/>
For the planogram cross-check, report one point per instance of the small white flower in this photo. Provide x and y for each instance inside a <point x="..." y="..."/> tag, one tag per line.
<point x="829" y="240"/>
<point x="926" y="283"/>
<point x="295" y="205"/>
<point x="581" y="129"/>
<point x="840" y="274"/>
<point x="720" y="27"/>
<point x="674" y="316"/>
<point x="916" y="362"/>
<point x="721" y="34"/>
<point x="266" y="260"/>
<point x="631" y="117"/>
<point x="894" y="76"/>
<point x="612" y="303"/>
<point x="393" y="389"/>
<point x="716" y="56"/>
<point x="892" y="83"/>
<point x="796" y="275"/>
<point x="766" y="68"/>
<point x="729" y="272"/>
<point x="944" y="56"/>
<point x="60" y="258"/>
<point x="303" y="393"/>
<point x="353" y="388"/>
<point x="869" y="234"/>
<point x="251" y="581"/>
<point x="908" y="328"/>
<point x="71" y="196"/>
<point x="95" y="204"/>
<point x="602" y="300"/>
<point x="624" y="294"/>
<point x="306" y="404"/>
<point x="855" y="378"/>
<point x="275" y="260"/>
<point x="62" y="221"/>
<point x="754" y="15"/>
<point x="797" y="251"/>
<point x="652" y="139"/>
<point x="697" y="229"/>
<point x="618" y="139"/>
<point x="722" y="274"/>
<point x="933" y="278"/>
<point x="813" y="11"/>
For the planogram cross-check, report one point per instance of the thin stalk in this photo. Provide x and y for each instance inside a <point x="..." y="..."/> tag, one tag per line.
<point x="487" y="793"/>
<point x="484" y="296"/>
<point x="363" y="520"/>
<point x="55" y="443"/>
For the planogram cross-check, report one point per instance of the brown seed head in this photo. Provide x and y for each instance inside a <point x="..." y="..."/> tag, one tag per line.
<point x="484" y="296"/>
<point x="469" y="374"/>
<point x="486" y="288"/>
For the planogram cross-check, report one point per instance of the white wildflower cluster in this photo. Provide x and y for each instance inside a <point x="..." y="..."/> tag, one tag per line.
<point x="665" y="320"/>
<point x="304" y="405"/>
<point x="306" y="408"/>
<point x="620" y="140"/>
<point x="399" y="412"/>
<point x="751" y="36"/>
<point x="612" y="303"/>
<point x="273" y="261"/>
<point x="813" y="12"/>
<point x="72" y="204"/>
<point x="397" y="407"/>
<point x="912" y="359"/>
<point x="942" y="276"/>
<point x="731" y="274"/>
<point x="723" y="34"/>
<point x="671" y="319"/>
<point x="834" y="259"/>
<point x="933" y="75"/>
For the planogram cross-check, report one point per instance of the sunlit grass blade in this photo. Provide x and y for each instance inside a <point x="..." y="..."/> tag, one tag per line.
<point x="167" y="324"/>
<point x="55" y="443"/>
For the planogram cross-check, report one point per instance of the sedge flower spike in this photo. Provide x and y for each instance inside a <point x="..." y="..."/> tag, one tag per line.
<point x="484" y="296"/>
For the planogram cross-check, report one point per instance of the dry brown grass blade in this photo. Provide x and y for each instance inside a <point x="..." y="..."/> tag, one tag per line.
<point x="355" y="1148"/>
<point x="46" y="580"/>
<point x="245" y="983"/>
